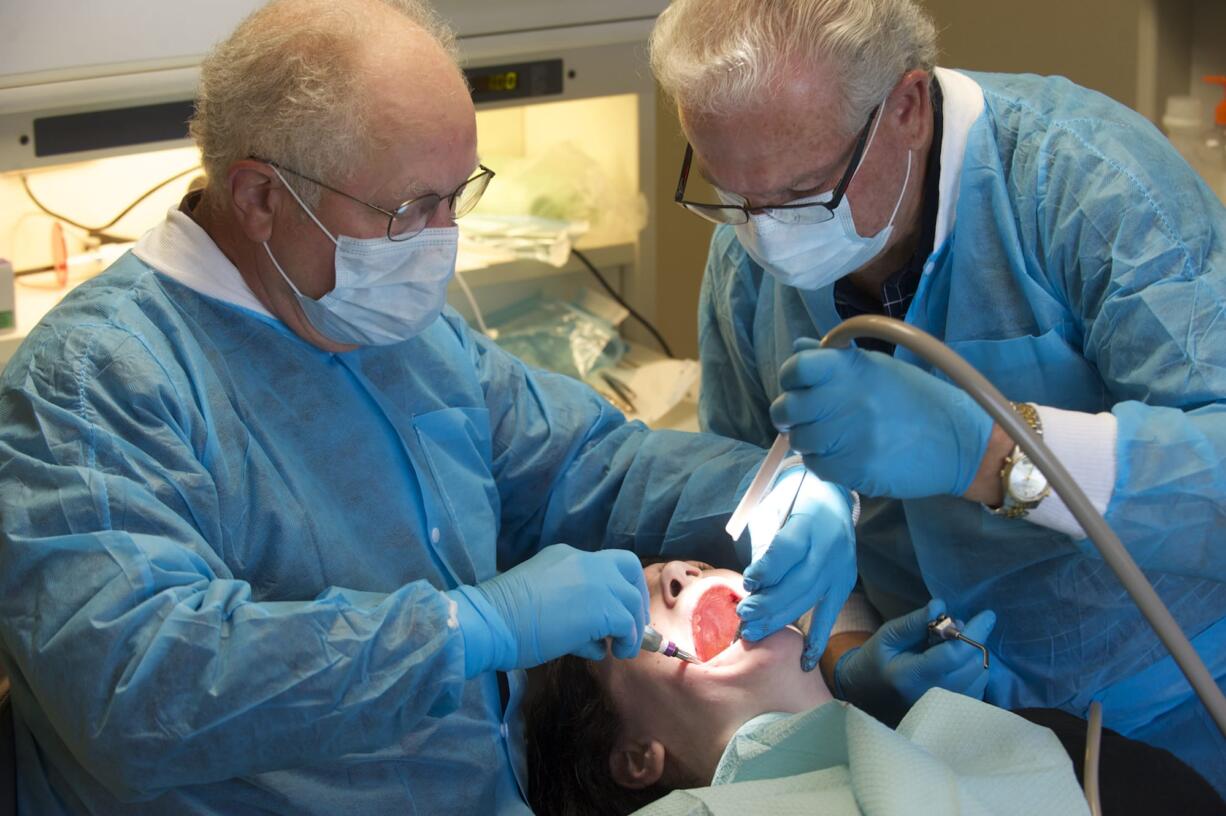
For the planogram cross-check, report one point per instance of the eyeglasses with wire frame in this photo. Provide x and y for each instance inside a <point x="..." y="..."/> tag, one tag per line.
<point x="411" y="216"/>
<point x="812" y="212"/>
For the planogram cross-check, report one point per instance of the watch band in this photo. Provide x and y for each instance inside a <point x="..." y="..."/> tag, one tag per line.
<point x="1012" y="507"/>
<point x="1029" y="413"/>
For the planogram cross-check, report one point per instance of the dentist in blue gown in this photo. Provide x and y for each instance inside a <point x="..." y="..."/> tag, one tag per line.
<point x="274" y="521"/>
<point x="1047" y="234"/>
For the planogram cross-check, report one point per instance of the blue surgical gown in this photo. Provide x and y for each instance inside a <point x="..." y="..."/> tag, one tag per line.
<point x="1085" y="270"/>
<point x="224" y="551"/>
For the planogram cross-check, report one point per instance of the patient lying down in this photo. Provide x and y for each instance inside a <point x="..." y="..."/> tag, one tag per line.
<point x="613" y="736"/>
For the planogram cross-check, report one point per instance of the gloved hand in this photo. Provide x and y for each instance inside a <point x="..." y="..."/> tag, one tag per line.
<point x="560" y="601"/>
<point x="809" y="563"/>
<point x="896" y="665"/>
<point x="878" y="425"/>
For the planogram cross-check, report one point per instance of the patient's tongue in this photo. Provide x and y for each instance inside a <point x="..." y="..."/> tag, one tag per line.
<point x="715" y="622"/>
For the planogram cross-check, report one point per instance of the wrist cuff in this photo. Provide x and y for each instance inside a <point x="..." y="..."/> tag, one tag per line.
<point x="797" y="461"/>
<point x="853" y="499"/>
<point x="1085" y="443"/>
<point x="486" y="636"/>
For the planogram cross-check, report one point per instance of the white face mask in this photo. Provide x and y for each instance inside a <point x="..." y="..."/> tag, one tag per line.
<point x="386" y="291"/>
<point x="810" y="256"/>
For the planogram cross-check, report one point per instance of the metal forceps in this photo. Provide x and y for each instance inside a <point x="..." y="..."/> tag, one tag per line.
<point x="624" y="392"/>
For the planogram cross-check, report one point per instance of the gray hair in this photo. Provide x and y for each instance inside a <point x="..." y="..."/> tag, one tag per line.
<point x="718" y="56"/>
<point x="285" y="86"/>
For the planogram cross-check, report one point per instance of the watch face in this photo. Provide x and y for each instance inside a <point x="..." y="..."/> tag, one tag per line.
<point x="1026" y="482"/>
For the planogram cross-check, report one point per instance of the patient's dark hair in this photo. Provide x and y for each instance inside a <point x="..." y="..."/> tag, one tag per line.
<point x="571" y="729"/>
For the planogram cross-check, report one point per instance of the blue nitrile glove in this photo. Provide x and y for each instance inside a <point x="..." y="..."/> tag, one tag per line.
<point x="896" y="665"/>
<point x="560" y="601"/>
<point x="810" y="563"/>
<point x="878" y="425"/>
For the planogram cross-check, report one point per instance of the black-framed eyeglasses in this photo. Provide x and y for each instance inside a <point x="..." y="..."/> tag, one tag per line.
<point x="812" y="212"/>
<point x="411" y="216"/>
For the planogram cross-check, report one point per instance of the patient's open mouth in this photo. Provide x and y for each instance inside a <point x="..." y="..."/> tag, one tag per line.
<point x="714" y="622"/>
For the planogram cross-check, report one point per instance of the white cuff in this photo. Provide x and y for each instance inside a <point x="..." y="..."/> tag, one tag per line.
<point x="795" y="460"/>
<point x="857" y="615"/>
<point x="791" y="461"/>
<point x="784" y="494"/>
<point x="1085" y="444"/>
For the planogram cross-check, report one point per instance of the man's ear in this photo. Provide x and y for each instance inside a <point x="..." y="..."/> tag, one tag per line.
<point x="251" y="186"/>
<point x="912" y="107"/>
<point x="637" y="764"/>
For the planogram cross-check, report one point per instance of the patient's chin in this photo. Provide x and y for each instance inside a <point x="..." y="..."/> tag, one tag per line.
<point x="768" y="674"/>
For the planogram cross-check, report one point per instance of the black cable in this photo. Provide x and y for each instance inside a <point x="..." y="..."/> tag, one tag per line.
<point x="613" y="294"/>
<point x="33" y="270"/>
<point x="102" y="230"/>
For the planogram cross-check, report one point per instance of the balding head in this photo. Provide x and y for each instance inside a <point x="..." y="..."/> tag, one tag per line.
<point x="310" y="84"/>
<point x="319" y="119"/>
<point x="720" y="57"/>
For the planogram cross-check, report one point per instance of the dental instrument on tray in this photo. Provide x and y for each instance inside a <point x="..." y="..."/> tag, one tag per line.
<point x="942" y="627"/>
<point x="653" y="641"/>
<point x="624" y="392"/>
<point x="989" y="397"/>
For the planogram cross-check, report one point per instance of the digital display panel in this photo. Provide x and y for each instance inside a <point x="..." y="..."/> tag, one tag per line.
<point x="57" y="135"/>
<point x="522" y="80"/>
<point x="118" y="127"/>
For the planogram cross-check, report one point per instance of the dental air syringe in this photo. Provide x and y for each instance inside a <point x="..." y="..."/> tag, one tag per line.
<point x="653" y="641"/>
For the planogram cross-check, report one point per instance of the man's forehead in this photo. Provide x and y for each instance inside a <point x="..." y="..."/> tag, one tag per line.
<point x="759" y="160"/>
<point x="429" y="144"/>
<point x="794" y="132"/>
<point x="419" y="180"/>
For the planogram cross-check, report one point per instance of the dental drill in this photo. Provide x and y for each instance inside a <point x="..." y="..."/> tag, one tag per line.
<point x="653" y="641"/>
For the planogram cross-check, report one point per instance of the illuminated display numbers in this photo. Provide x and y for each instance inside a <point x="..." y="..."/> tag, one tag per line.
<point x="507" y="81"/>
<point x="516" y="81"/>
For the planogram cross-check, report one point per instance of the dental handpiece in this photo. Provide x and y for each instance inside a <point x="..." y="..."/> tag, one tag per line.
<point x="653" y="641"/>
<point x="943" y="628"/>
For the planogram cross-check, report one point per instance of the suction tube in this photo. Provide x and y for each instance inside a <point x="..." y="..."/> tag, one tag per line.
<point x="1108" y="544"/>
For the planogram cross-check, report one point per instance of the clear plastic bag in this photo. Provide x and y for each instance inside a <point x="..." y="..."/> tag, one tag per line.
<point x="558" y="336"/>
<point x="565" y="184"/>
<point x="519" y="236"/>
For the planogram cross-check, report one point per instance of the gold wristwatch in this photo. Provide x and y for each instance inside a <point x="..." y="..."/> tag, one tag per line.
<point x="1024" y="484"/>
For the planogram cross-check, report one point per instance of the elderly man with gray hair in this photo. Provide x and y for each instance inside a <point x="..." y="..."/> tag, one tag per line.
<point x="277" y="530"/>
<point x="1047" y="234"/>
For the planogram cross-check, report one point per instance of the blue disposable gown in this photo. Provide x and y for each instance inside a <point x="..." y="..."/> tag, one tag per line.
<point x="223" y="551"/>
<point x="1085" y="270"/>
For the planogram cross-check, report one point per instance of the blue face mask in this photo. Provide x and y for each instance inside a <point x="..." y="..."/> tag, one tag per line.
<point x="386" y="291"/>
<point x="810" y="256"/>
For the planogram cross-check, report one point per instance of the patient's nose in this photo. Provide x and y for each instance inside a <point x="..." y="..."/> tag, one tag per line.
<point x="675" y="577"/>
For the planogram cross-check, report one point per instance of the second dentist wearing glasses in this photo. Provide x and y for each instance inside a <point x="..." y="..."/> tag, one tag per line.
<point x="1047" y="234"/>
